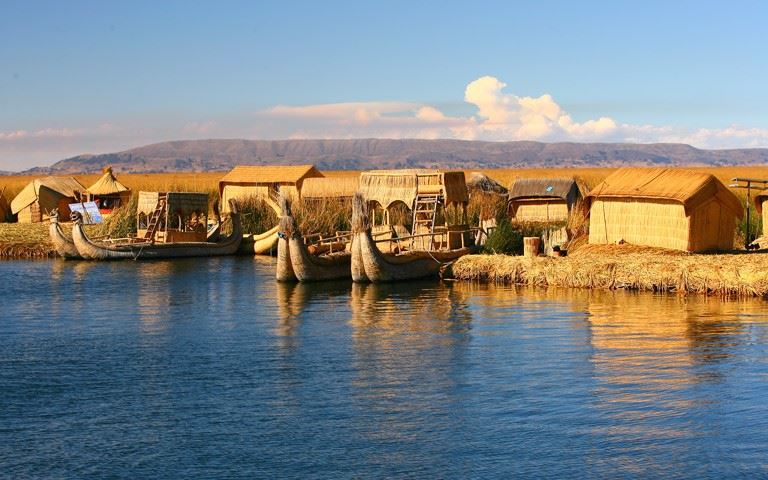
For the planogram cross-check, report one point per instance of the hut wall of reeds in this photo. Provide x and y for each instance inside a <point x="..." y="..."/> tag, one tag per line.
<point x="42" y="195"/>
<point x="761" y="205"/>
<point x="109" y="192"/>
<point x="5" y="209"/>
<point x="327" y="188"/>
<point x="667" y="208"/>
<point x="266" y="183"/>
<point x="543" y="199"/>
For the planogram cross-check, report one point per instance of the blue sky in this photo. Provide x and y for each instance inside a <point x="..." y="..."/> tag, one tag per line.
<point x="91" y="77"/>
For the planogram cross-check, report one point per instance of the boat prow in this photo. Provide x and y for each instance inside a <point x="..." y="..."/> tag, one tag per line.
<point x="64" y="246"/>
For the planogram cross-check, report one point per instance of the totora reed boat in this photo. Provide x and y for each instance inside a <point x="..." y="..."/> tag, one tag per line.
<point x="148" y="248"/>
<point x="63" y="245"/>
<point x="296" y="262"/>
<point x="370" y="264"/>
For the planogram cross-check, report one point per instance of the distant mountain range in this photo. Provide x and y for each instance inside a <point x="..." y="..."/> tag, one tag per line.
<point x="222" y="155"/>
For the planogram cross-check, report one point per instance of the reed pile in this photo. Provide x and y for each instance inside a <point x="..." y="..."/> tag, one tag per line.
<point x="25" y="240"/>
<point x="626" y="267"/>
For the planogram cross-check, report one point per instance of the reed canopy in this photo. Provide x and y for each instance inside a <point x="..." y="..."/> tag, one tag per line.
<point x="265" y="182"/>
<point x="389" y="186"/>
<point x="108" y="192"/>
<point x="663" y="207"/>
<point x="326" y="188"/>
<point x="184" y="217"/>
<point x="42" y="195"/>
<point x="544" y="200"/>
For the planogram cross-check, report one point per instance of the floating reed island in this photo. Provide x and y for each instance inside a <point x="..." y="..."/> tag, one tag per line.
<point x="626" y="267"/>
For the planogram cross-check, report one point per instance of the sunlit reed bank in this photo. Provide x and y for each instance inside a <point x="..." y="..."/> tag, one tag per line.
<point x="626" y="267"/>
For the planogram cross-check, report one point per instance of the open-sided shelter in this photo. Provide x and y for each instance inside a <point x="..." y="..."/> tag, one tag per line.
<point x="663" y="207"/>
<point x="544" y="200"/>
<point x="109" y="192"/>
<point x="426" y="193"/>
<point x="42" y="195"/>
<point x="179" y="216"/>
<point x="265" y="182"/>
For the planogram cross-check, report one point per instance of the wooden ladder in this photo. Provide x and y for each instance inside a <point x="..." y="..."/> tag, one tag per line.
<point x="425" y="214"/>
<point x="154" y="220"/>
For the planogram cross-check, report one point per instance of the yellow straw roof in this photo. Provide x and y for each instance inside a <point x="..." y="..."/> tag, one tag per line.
<point x="247" y="174"/>
<point x="389" y="186"/>
<point x="64" y="186"/>
<point x="107" y="184"/>
<point x="689" y="188"/>
<point x="330" y="187"/>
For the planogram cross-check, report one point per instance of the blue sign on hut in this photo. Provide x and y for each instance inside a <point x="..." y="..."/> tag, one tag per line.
<point x="663" y="207"/>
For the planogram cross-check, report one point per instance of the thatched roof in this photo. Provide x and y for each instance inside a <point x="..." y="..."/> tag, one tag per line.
<point x="484" y="183"/>
<point x="389" y="186"/>
<point x="107" y="184"/>
<point x="260" y="175"/>
<point x="330" y="187"/>
<point x="64" y="186"/>
<point x="178" y="203"/>
<point x="540" y="188"/>
<point x="689" y="188"/>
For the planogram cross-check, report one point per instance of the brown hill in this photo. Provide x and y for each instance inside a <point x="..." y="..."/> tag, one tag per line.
<point x="221" y="155"/>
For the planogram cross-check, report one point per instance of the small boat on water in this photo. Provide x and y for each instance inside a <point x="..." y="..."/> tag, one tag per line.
<point x="296" y="261"/>
<point x="63" y="245"/>
<point x="370" y="264"/>
<point x="162" y="235"/>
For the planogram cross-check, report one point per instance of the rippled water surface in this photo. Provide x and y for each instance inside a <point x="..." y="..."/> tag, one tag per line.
<point x="209" y="368"/>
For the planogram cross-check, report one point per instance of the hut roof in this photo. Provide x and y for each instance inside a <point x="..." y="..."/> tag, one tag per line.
<point x="256" y="175"/>
<point x="183" y="203"/>
<point x="389" y="186"/>
<point x="684" y="186"/>
<point x="482" y="182"/>
<point x="107" y="184"/>
<point x="532" y="188"/>
<point x="65" y="186"/>
<point x="330" y="187"/>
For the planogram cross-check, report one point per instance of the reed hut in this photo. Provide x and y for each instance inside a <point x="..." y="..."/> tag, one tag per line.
<point x="426" y="193"/>
<point x="265" y="182"/>
<point x="329" y="188"/>
<point x="108" y="192"/>
<point x="42" y="195"/>
<point x="545" y="200"/>
<point x="169" y="217"/>
<point x="663" y="207"/>
<point x="5" y="209"/>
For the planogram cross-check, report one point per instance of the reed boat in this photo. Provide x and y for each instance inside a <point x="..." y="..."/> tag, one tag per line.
<point x="370" y="264"/>
<point x="149" y="249"/>
<point x="260" y="243"/>
<point x="63" y="245"/>
<point x="295" y="261"/>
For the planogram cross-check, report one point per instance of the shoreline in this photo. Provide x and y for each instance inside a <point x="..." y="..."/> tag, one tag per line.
<point x="727" y="275"/>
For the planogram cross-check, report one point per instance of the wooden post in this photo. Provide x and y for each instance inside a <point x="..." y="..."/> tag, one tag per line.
<point x="531" y="246"/>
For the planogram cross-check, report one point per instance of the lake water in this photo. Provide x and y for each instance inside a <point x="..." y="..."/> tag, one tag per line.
<point x="209" y="368"/>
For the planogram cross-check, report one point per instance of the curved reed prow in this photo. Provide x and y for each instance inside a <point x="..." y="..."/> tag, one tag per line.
<point x="76" y="218"/>
<point x="287" y="222"/>
<point x="54" y="215"/>
<point x="232" y="207"/>
<point x="360" y="222"/>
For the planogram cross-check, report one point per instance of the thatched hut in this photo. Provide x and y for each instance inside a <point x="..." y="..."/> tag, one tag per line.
<point x="546" y="200"/>
<point x="266" y="183"/>
<point x="108" y="192"/>
<point x="182" y="218"/>
<point x="663" y="207"/>
<point x="42" y="195"/>
<point x="328" y="188"/>
<point x="5" y="209"/>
